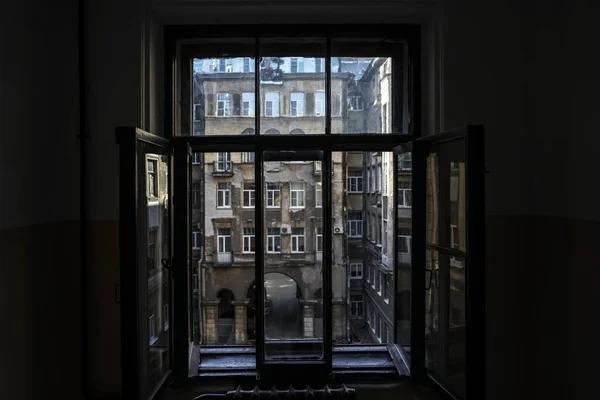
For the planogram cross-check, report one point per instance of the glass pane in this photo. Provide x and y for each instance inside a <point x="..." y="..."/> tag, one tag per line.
<point x="223" y="247"/>
<point x="363" y="257"/>
<point x="404" y="246"/>
<point x="457" y="325"/>
<point x="293" y="277"/>
<point x="434" y="312"/>
<point x="292" y="86"/>
<point x="157" y="321"/>
<point x="223" y="90"/>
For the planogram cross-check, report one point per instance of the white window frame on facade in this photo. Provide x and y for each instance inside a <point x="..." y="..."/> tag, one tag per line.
<point x="355" y="182"/>
<point x="248" y="104"/>
<point x="355" y="103"/>
<point x="319" y="65"/>
<point x="272" y="104"/>
<point x="297" y="195"/>
<point x="299" y="63"/>
<point x="356" y="270"/>
<point x="152" y="178"/>
<point x="152" y="329"/>
<point x="318" y="195"/>
<point x="196" y="240"/>
<point x="273" y="240"/>
<point x="224" y="240"/>
<point x="273" y="195"/>
<point x="249" y="63"/>
<point x="248" y="237"/>
<point x="166" y="317"/>
<point x="248" y="157"/>
<point x="224" y="101"/>
<point x="319" y="240"/>
<point x="403" y="194"/>
<point x="298" y="241"/>
<point x="297" y="104"/>
<point x="196" y="158"/>
<point x="407" y="238"/>
<point x="248" y="195"/>
<point x="223" y="162"/>
<point x="223" y="195"/>
<point x="320" y="103"/>
<point x="355" y="226"/>
<point x="225" y="65"/>
<point x="356" y="305"/>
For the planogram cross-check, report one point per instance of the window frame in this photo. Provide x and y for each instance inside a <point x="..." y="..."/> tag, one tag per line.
<point x="273" y="240"/>
<point x="250" y="193"/>
<point x="360" y="304"/>
<point x="226" y="195"/>
<point x="250" y="236"/>
<point x="226" y="105"/>
<point x="298" y="241"/>
<point x="276" y="195"/>
<point x="226" y="243"/>
<point x="298" y="199"/>
<point x="318" y="194"/>
<point x="299" y="105"/>
<point x="358" y="267"/>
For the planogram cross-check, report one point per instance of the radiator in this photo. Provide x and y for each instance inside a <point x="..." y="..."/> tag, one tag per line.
<point x="341" y="393"/>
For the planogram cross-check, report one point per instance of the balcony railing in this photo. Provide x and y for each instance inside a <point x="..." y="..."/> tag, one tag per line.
<point x="224" y="258"/>
<point x="404" y="258"/>
<point x="223" y="167"/>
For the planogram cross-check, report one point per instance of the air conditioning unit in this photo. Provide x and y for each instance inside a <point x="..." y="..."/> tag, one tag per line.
<point x="285" y="229"/>
<point x="338" y="230"/>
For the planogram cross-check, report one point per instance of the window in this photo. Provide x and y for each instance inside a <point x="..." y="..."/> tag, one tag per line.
<point x="248" y="195"/>
<point x="381" y="287"/>
<point x="356" y="270"/>
<point x="297" y="194"/>
<point x="320" y="104"/>
<point x="166" y="317"/>
<point x="318" y="194"/>
<point x="197" y="158"/>
<point x="198" y="113"/>
<point x="319" y="240"/>
<point x="224" y="105"/>
<point x="196" y="195"/>
<point x="356" y="305"/>
<point x="355" y="224"/>
<point x="297" y="65"/>
<point x="319" y="65"/>
<point x="248" y="157"/>
<point x="355" y="103"/>
<point x="297" y="104"/>
<point x="273" y="195"/>
<point x="405" y="162"/>
<point x="355" y="181"/>
<point x="404" y="240"/>
<point x="248" y="104"/>
<point x="404" y="194"/>
<point x="248" y="64"/>
<point x="297" y="240"/>
<point x="152" y="178"/>
<point x="225" y="65"/>
<point x="223" y="162"/>
<point x="224" y="240"/>
<point x="272" y="104"/>
<point x="249" y="240"/>
<point x="196" y="240"/>
<point x="152" y="328"/>
<point x="384" y="242"/>
<point x="273" y="240"/>
<point x="152" y="233"/>
<point x="223" y="195"/>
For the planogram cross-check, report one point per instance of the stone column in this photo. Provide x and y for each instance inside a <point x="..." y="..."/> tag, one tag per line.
<point x="210" y="321"/>
<point x="338" y="313"/>
<point x="241" y="320"/>
<point x="308" y="314"/>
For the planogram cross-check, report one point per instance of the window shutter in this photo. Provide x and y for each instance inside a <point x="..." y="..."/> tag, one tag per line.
<point x="310" y="104"/>
<point x="210" y="104"/>
<point x="237" y="104"/>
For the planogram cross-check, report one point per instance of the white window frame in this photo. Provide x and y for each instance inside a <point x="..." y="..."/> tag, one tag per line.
<point x="152" y="179"/>
<point x="298" y="240"/>
<point x="355" y="103"/>
<point x="320" y="108"/>
<point x="196" y="240"/>
<point x="224" y="245"/>
<point x="297" y="104"/>
<point x="355" y="183"/>
<point x="223" y="195"/>
<point x="166" y="317"/>
<point x="225" y="65"/>
<point x="318" y="194"/>
<point x="248" y="104"/>
<point x="403" y="196"/>
<point x="152" y="329"/>
<point x="319" y="65"/>
<point x="248" y="193"/>
<point x="248" y="157"/>
<point x="297" y="196"/>
<point x="319" y="240"/>
<point x="196" y="159"/>
<point x="272" y="103"/>
<point x="224" y="101"/>
<point x="355" y="225"/>
<point x="273" y="240"/>
<point x="299" y="65"/>
<point x="248" y="62"/>
<point x="356" y="270"/>
<point x="223" y="163"/>
<point x="358" y="305"/>
<point x="408" y="240"/>
<point x="273" y="195"/>
<point x="249" y="234"/>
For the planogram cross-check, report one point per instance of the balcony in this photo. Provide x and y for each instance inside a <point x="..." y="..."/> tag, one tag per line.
<point x="404" y="258"/>
<point x="224" y="258"/>
<point x="222" y="168"/>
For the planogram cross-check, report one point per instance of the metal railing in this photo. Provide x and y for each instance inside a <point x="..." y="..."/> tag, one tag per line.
<point x="224" y="258"/>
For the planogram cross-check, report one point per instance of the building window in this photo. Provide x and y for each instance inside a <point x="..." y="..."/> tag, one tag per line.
<point x="225" y="65"/>
<point x="355" y="224"/>
<point x="405" y="162"/>
<point x="224" y="105"/>
<point x="273" y="195"/>
<point x="197" y="158"/>
<point x="381" y="286"/>
<point x="249" y="240"/>
<point x="223" y="195"/>
<point x="318" y="194"/>
<point x="248" y="157"/>
<point x="273" y="240"/>
<point x="196" y="240"/>
<point x="297" y="195"/>
<point x="454" y="236"/>
<point x="404" y="194"/>
<point x="272" y="104"/>
<point x="166" y="317"/>
<point x="152" y="328"/>
<point x="319" y="240"/>
<point x="355" y="181"/>
<point x="355" y="103"/>
<point x="248" y="104"/>
<point x="404" y="240"/>
<point x="320" y="104"/>
<point x="384" y="239"/>
<point x="297" y="105"/>
<point x="223" y="162"/>
<point x="319" y="65"/>
<point x="356" y="270"/>
<point x="249" y="195"/>
<point x="198" y="113"/>
<point x="297" y="65"/>
<point x="152" y="178"/>
<point x="356" y="305"/>
<point x="297" y="240"/>
<point x="196" y="195"/>
<point x="248" y="65"/>
<point x="224" y="240"/>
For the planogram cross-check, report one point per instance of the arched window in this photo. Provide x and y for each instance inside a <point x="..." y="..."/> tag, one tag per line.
<point x="272" y="131"/>
<point x="248" y="131"/>
<point x="296" y="132"/>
